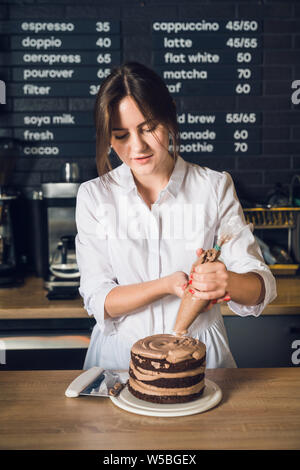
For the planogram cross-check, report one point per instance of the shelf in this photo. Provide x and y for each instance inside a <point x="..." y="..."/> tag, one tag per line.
<point x="273" y="218"/>
<point x="268" y="227"/>
<point x="284" y="269"/>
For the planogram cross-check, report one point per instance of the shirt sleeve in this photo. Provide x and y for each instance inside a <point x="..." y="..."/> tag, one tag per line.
<point x="242" y="254"/>
<point x="96" y="275"/>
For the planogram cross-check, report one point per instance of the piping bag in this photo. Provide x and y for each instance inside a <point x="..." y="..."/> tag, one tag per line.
<point x="190" y="307"/>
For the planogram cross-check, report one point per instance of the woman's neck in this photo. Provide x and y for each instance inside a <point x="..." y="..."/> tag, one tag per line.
<point x="153" y="184"/>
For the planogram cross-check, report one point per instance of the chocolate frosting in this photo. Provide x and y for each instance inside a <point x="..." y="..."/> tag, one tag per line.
<point x="172" y="348"/>
<point x="190" y="307"/>
<point x="207" y="256"/>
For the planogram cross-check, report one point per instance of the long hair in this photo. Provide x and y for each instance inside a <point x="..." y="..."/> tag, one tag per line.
<point x="151" y="96"/>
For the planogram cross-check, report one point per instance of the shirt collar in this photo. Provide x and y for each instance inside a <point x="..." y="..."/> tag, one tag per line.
<point x="126" y="181"/>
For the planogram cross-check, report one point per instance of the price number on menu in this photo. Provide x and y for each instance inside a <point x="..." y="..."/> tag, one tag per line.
<point x="102" y="26"/>
<point x="240" y="146"/>
<point x="243" y="88"/>
<point x="243" y="73"/>
<point x="242" y="25"/>
<point x="103" y="73"/>
<point x="104" y="58"/>
<point x="240" y="135"/>
<point x="94" y="89"/>
<point x="242" y="43"/>
<point x="244" y="57"/>
<point x="241" y="118"/>
<point x="103" y="42"/>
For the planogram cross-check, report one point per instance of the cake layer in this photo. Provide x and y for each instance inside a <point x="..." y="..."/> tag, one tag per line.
<point x="148" y="389"/>
<point x="170" y="382"/>
<point x="161" y="365"/>
<point x="150" y="375"/>
<point x="165" y="399"/>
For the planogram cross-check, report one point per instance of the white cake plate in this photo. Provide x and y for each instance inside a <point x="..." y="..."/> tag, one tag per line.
<point x="211" y="396"/>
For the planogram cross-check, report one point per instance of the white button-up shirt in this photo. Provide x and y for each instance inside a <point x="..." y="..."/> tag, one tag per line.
<point x="120" y="241"/>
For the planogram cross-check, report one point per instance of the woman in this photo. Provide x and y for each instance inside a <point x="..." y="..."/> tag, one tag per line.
<point x="141" y="225"/>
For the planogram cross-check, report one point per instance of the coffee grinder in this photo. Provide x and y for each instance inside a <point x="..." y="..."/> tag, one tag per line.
<point x="10" y="275"/>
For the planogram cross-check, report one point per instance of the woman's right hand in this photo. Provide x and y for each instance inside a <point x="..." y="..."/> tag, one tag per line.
<point x="176" y="283"/>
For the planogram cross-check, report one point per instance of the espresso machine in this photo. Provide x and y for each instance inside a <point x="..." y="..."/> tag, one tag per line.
<point x="10" y="275"/>
<point x="61" y="276"/>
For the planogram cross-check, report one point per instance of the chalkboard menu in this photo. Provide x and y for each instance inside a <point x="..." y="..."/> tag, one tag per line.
<point x="195" y="58"/>
<point x="212" y="58"/>
<point x="60" y="59"/>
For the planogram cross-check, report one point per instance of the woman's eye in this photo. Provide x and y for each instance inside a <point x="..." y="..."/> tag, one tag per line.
<point x="150" y="129"/>
<point x="119" y="137"/>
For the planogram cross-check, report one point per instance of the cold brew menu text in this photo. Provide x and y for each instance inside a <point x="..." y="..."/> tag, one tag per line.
<point x="69" y="59"/>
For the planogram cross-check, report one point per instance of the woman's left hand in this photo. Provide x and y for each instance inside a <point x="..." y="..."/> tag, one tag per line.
<point x="209" y="281"/>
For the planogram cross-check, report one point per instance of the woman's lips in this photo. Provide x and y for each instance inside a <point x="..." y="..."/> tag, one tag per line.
<point x="142" y="159"/>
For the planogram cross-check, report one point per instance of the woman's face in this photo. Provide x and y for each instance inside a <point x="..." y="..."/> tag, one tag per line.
<point x="134" y="141"/>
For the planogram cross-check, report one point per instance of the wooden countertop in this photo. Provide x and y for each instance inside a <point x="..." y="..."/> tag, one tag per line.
<point x="30" y="301"/>
<point x="260" y="409"/>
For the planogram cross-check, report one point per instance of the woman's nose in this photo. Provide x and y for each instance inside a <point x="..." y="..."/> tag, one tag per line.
<point x="138" y="144"/>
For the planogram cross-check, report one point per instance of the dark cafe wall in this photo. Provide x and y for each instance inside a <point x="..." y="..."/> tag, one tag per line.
<point x="230" y="66"/>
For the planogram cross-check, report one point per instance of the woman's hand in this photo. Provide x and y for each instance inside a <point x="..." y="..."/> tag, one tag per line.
<point x="209" y="281"/>
<point x="176" y="283"/>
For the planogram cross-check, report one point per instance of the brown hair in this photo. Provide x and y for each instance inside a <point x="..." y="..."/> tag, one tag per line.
<point x="152" y="97"/>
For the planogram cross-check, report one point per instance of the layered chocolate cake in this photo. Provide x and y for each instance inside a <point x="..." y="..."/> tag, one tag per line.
<point x="167" y="369"/>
